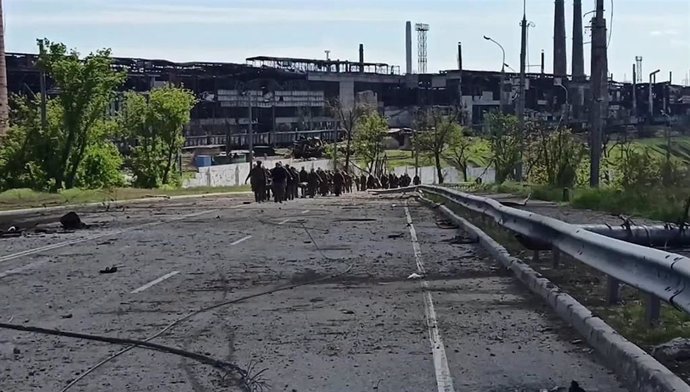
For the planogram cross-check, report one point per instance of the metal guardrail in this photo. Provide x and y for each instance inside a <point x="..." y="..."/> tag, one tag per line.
<point x="663" y="275"/>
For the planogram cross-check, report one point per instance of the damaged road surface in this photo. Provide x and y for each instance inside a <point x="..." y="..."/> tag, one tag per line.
<point x="358" y="293"/>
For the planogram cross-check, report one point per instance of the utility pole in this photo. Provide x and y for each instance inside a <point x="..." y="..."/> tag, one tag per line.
<point x="521" y="92"/>
<point x="4" y="102"/>
<point x="599" y="82"/>
<point x="250" y="133"/>
<point x="44" y="102"/>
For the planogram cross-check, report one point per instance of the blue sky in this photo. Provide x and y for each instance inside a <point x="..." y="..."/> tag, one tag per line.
<point x="232" y="30"/>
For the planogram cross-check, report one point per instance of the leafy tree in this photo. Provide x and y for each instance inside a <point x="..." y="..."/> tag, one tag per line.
<point x="460" y="149"/>
<point x="505" y="141"/>
<point x="87" y="86"/>
<point x="555" y="155"/>
<point x="154" y="125"/>
<point x="435" y="131"/>
<point x="28" y="156"/>
<point x="349" y="119"/>
<point x="368" y="138"/>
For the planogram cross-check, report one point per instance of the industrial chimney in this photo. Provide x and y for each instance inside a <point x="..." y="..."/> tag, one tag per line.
<point x="408" y="47"/>
<point x="578" y="48"/>
<point x="560" y="58"/>
<point x="460" y="56"/>
<point x="361" y="57"/>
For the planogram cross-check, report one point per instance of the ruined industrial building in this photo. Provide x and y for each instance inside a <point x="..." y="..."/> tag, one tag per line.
<point x="289" y="95"/>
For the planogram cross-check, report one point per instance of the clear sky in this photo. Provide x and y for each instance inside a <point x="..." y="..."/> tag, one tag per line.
<point x="232" y="30"/>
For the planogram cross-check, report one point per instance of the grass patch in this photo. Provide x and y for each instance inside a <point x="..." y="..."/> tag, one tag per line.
<point x="27" y="198"/>
<point x="629" y="320"/>
<point x="663" y="204"/>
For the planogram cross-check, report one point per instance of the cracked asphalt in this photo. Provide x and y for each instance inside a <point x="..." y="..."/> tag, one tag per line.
<point x="355" y="322"/>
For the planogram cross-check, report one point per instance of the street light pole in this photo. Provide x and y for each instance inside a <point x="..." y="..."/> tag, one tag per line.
<point x="503" y="72"/>
<point x="250" y="132"/>
<point x="521" y="90"/>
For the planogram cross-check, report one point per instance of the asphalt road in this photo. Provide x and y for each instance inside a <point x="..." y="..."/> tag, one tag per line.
<point x="355" y="322"/>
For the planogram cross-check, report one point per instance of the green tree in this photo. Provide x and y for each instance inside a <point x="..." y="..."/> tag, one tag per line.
<point x="435" y="132"/>
<point x="154" y="125"/>
<point x="555" y="156"/>
<point x="368" y="138"/>
<point x="87" y="86"/>
<point x="504" y="138"/>
<point x="461" y="149"/>
<point x="349" y="119"/>
<point x="28" y="156"/>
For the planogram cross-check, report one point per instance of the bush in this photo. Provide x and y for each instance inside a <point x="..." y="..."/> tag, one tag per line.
<point x="101" y="167"/>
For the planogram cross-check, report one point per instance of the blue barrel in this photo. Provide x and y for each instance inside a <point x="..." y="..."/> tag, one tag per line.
<point x="203" y="160"/>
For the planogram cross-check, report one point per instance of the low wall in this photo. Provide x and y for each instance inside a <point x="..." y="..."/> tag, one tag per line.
<point x="234" y="174"/>
<point x="451" y="175"/>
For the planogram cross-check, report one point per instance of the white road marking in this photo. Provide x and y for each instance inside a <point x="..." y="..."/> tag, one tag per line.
<point x="240" y="240"/>
<point x="443" y="378"/>
<point x="284" y="222"/>
<point x="306" y="211"/>
<point x="155" y="282"/>
<point x="79" y="241"/>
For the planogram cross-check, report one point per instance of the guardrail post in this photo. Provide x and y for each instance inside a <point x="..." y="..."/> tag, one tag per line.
<point x="556" y="257"/>
<point x="535" y="256"/>
<point x="653" y="311"/>
<point x="613" y="290"/>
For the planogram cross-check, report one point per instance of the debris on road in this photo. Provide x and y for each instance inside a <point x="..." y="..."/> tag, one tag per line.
<point x="71" y="221"/>
<point x="108" y="270"/>
<point x="677" y="349"/>
<point x="575" y="387"/>
<point x="67" y="316"/>
<point x="415" y="276"/>
<point x="400" y="235"/>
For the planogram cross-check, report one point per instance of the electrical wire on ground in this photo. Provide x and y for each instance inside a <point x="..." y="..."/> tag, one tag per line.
<point x="250" y="382"/>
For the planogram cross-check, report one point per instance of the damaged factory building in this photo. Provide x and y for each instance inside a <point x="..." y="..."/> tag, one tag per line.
<point x="289" y="97"/>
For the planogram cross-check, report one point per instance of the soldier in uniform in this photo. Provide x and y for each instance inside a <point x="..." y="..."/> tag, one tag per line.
<point x="338" y="182"/>
<point x="258" y="183"/>
<point x="384" y="182"/>
<point x="313" y="181"/>
<point x="269" y="183"/>
<point x="280" y="177"/>
<point x="371" y="182"/>
<point x="393" y="179"/>
<point x="303" y="181"/>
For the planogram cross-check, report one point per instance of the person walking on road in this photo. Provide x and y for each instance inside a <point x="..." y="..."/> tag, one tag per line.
<point x="313" y="182"/>
<point x="279" y="176"/>
<point x="338" y="182"/>
<point x="303" y="182"/>
<point x="258" y="182"/>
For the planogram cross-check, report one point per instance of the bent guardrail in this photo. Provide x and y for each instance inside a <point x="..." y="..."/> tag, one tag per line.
<point x="661" y="274"/>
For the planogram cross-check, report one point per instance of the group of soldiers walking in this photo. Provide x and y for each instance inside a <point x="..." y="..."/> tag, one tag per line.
<point x="390" y="181"/>
<point x="286" y="182"/>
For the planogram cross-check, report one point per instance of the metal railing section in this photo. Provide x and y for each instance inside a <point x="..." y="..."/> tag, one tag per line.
<point x="661" y="274"/>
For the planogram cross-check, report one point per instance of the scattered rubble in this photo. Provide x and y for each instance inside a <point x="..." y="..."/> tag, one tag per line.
<point x="72" y="221"/>
<point x="677" y="349"/>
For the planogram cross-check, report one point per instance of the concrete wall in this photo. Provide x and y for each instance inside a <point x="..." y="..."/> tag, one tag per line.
<point x="450" y="174"/>
<point x="235" y="174"/>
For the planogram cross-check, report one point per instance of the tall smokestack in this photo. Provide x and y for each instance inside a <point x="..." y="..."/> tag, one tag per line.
<point x="560" y="58"/>
<point x="408" y="47"/>
<point x="578" y="48"/>
<point x="543" y="63"/>
<point x="361" y="57"/>
<point x="460" y="56"/>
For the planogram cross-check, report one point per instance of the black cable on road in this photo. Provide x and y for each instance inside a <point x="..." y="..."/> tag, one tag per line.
<point x="247" y="378"/>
